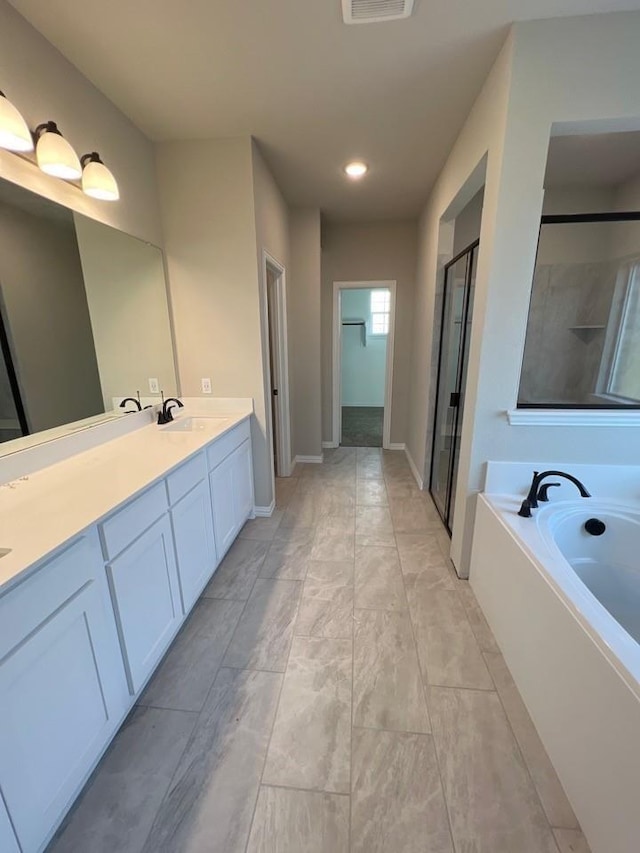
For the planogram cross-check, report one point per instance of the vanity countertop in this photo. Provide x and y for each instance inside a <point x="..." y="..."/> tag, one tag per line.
<point x="41" y="512"/>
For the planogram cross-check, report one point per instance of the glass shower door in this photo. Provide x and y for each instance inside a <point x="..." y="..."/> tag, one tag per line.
<point x="459" y="283"/>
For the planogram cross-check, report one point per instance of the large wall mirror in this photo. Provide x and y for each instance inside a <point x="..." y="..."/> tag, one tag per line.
<point x="582" y="346"/>
<point x="84" y="319"/>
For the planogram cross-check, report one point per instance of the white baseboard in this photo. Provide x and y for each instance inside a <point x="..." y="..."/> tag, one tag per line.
<point x="265" y="511"/>
<point x="397" y="446"/>
<point x="329" y="445"/>
<point x="414" y="469"/>
<point x="363" y="405"/>
<point x="317" y="459"/>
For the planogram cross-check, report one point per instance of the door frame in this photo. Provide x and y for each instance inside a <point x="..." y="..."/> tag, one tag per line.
<point x="336" y="379"/>
<point x="283" y="433"/>
<point x="472" y="251"/>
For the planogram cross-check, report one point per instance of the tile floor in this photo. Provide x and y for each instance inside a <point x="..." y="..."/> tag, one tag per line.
<point x="335" y="689"/>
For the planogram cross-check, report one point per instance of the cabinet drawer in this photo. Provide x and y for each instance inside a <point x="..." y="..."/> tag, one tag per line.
<point x="126" y="524"/>
<point x="222" y="447"/>
<point x="184" y="478"/>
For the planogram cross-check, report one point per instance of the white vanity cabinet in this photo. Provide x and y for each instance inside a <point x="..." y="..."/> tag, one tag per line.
<point x="62" y="686"/>
<point x="143" y="579"/>
<point x="192" y="523"/>
<point x="8" y="841"/>
<point x="231" y="486"/>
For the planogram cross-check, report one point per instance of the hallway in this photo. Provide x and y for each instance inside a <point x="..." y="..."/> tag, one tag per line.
<point x="335" y="689"/>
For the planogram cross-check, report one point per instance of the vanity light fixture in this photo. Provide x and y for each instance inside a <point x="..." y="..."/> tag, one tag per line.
<point x="356" y="169"/>
<point x="54" y="154"/>
<point x="14" y="132"/>
<point x="97" y="180"/>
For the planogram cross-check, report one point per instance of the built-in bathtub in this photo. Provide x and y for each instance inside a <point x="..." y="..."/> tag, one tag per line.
<point x="565" y="608"/>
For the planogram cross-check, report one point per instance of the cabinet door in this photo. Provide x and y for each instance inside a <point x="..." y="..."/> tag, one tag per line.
<point x="224" y="513"/>
<point x="146" y="600"/>
<point x="195" y="549"/>
<point x="61" y="698"/>
<point x="242" y="483"/>
<point x="8" y="842"/>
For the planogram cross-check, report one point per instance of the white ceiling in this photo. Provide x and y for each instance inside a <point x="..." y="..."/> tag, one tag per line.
<point x="313" y="91"/>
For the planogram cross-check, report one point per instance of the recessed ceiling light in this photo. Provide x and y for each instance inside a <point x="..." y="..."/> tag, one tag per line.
<point x="356" y="169"/>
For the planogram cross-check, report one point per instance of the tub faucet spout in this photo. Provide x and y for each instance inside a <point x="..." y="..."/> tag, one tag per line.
<point x="539" y="492"/>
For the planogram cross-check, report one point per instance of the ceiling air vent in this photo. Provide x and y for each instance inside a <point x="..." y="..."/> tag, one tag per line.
<point x="372" y="11"/>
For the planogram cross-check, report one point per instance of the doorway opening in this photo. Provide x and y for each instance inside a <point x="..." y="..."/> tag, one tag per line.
<point x="364" y="317"/>
<point x="276" y="366"/>
<point x="455" y="335"/>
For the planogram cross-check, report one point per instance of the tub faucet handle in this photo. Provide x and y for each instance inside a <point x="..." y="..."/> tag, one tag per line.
<point x="543" y="494"/>
<point x="525" y="508"/>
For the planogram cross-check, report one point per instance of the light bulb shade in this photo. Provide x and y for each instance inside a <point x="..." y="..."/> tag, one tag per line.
<point x="54" y="154"/>
<point x="97" y="180"/>
<point x="14" y="133"/>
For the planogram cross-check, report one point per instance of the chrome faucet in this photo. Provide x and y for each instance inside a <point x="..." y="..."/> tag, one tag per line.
<point x="165" y="415"/>
<point x="538" y="492"/>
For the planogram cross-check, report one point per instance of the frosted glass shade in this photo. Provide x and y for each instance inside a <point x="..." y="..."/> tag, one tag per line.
<point x="14" y="133"/>
<point x="54" y="154"/>
<point x="97" y="180"/>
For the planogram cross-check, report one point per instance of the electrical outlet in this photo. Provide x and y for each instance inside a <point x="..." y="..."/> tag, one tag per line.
<point x="205" y="384"/>
<point x="154" y="386"/>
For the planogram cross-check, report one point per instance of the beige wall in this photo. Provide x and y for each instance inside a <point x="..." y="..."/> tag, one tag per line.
<point x="271" y="236"/>
<point x="220" y="209"/>
<point x="44" y="85"/>
<point x="46" y="311"/>
<point x="566" y="70"/>
<point x="371" y="252"/>
<point x="127" y="295"/>
<point x="304" y="287"/>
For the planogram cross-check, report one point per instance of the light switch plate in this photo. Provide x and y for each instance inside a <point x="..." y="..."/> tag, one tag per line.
<point x="154" y="386"/>
<point x="205" y="384"/>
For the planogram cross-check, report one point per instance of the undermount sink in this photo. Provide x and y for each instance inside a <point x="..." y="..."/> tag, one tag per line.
<point x="193" y="424"/>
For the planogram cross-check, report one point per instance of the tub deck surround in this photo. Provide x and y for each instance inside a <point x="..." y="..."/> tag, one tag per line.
<point x="577" y="668"/>
<point x="336" y="711"/>
<point x="47" y="508"/>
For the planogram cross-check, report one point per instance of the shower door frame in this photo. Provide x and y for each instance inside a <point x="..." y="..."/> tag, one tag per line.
<point x="472" y="251"/>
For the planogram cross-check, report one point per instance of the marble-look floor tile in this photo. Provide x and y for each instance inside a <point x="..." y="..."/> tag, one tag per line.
<point x="119" y="803"/>
<point x="288" y="821"/>
<point x="418" y="551"/>
<point x="397" y="802"/>
<point x="289" y="554"/>
<point x="552" y="795"/>
<point x="373" y="519"/>
<point x="337" y="499"/>
<point x="493" y="805"/>
<point x="369" y="468"/>
<point x="325" y="611"/>
<point x="411" y="515"/>
<point x="398" y="489"/>
<point x="184" y="678"/>
<point x="303" y="512"/>
<point x="378" y="580"/>
<point x="311" y="742"/>
<point x="236" y="574"/>
<point x="448" y="651"/>
<point x="263" y="634"/>
<point x="285" y="490"/>
<point x="387" y="685"/>
<point x="571" y="841"/>
<point x="479" y="625"/>
<point x="209" y="805"/>
<point x="376" y="540"/>
<point x="371" y="493"/>
<point x="332" y="573"/>
<point x="262" y="529"/>
<point x="332" y="541"/>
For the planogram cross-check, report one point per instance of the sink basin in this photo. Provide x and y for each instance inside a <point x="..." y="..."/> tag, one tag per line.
<point x="193" y="424"/>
